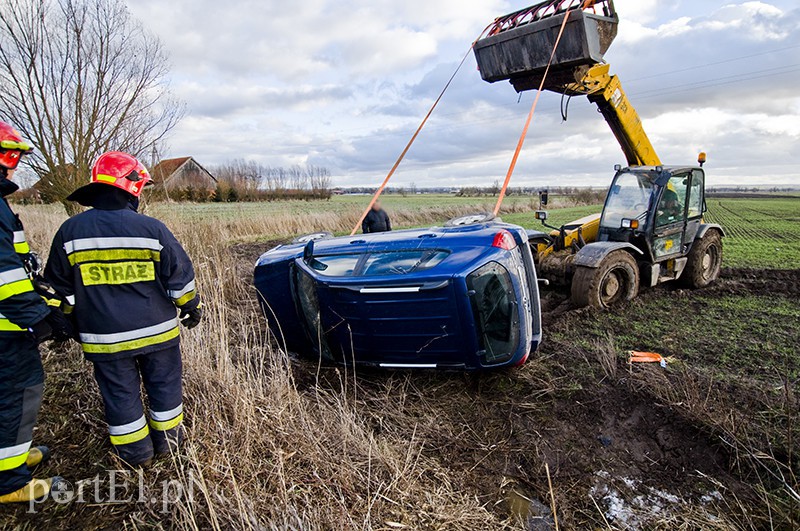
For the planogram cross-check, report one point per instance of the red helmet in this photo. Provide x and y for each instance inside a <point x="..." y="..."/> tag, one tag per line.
<point x="122" y="171"/>
<point x="12" y="148"/>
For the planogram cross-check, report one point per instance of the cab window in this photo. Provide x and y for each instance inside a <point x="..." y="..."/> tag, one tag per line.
<point x="696" y="195"/>
<point x="672" y="206"/>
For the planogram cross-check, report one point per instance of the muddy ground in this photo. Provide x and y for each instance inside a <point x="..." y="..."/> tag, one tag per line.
<point x="626" y="446"/>
<point x="701" y="444"/>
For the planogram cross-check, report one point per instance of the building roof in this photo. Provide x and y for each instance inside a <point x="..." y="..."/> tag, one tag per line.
<point x="164" y="169"/>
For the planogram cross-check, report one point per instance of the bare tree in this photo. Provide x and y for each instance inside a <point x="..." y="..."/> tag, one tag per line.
<point x="78" y="78"/>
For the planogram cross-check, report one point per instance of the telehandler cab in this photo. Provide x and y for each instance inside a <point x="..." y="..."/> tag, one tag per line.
<point x="651" y="229"/>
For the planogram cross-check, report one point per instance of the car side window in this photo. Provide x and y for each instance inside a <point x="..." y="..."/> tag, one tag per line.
<point x="671" y="208"/>
<point x="696" y="195"/>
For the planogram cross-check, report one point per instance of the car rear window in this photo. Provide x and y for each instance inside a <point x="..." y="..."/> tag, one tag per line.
<point x="494" y="303"/>
<point x="377" y="264"/>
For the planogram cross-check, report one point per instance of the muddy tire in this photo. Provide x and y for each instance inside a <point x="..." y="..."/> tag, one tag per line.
<point x="614" y="282"/>
<point x="705" y="261"/>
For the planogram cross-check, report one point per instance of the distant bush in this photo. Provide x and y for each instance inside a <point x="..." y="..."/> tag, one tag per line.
<point x="230" y="193"/>
<point x="28" y="196"/>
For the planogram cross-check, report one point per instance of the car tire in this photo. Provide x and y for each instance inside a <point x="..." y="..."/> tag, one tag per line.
<point x="314" y="236"/>
<point x="614" y="282"/>
<point x="471" y="219"/>
<point x="705" y="261"/>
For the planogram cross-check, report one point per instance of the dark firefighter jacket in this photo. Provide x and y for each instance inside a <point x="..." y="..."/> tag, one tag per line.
<point x="20" y="306"/>
<point x="122" y="274"/>
<point x="376" y="221"/>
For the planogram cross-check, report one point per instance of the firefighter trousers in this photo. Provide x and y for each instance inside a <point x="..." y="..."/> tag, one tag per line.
<point x="21" y="383"/>
<point x="136" y="437"/>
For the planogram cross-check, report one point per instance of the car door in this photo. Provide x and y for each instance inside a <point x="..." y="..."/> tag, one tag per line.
<point x="695" y="207"/>
<point x="671" y="217"/>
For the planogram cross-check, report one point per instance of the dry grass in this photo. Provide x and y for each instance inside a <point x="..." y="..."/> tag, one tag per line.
<point x="264" y="451"/>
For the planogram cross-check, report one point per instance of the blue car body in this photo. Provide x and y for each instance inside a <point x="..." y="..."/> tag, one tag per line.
<point x="450" y="298"/>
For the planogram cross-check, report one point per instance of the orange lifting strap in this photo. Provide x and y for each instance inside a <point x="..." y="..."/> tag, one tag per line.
<point x="414" y="137"/>
<point x="585" y="5"/>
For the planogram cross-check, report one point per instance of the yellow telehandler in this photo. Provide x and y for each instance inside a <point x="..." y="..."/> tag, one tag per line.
<point x="651" y="229"/>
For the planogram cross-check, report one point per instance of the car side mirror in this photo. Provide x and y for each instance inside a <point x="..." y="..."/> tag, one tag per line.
<point x="544" y="197"/>
<point x="308" y="252"/>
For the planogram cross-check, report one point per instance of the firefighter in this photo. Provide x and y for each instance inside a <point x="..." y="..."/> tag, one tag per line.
<point x="123" y="275"/>
<point x="25" y="321"/>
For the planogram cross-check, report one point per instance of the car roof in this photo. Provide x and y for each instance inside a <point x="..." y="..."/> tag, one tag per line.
<point x="477" y="235"/>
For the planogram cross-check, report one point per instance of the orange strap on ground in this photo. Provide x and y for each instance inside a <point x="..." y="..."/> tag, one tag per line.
<point x="413" y="138"/>
<point x="645" y="357"/>
<point x="524" y="134"/>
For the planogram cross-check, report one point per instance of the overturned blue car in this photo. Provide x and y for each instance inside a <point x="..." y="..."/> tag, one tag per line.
<point x="464" y="296"/>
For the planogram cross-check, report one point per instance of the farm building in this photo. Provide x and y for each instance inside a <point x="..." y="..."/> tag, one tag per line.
<point x="183" y="172"/>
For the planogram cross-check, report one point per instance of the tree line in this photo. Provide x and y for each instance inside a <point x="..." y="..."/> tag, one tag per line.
<point x="243" y="180"/>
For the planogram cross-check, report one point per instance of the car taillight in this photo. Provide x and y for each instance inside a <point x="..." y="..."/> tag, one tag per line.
<point x="504" y="240"/>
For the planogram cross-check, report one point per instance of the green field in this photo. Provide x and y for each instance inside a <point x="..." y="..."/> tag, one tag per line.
<point x="762" y="233"/>
<point x="339" y="205"/>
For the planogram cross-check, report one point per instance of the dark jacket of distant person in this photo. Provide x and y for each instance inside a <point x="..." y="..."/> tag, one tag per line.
<point x="376" y="221"/>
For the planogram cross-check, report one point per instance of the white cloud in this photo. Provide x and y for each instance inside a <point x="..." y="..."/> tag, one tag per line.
<point x="344" y="83"/>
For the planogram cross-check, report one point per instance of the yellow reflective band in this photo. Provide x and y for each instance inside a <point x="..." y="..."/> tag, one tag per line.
<point x="130" y="438"/>
<point x="113" y="255"/>
<point x="67" y="309"/>
<point x="167" y="424"/>
<point x="99" y="274"/>
<point x="10" y="463"/>
<point x="8" y="326"/>
<point x="97" y="348"/>
<point x="189" y="297"/>
<point x="16" y="146"/>
<point x="53" y="303"/>
<point x="105" y="178"/>
<point x="22" y="248"/>
<point x="15" y="288"/>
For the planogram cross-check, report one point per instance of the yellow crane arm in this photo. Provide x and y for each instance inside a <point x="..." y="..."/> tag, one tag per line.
<point x="605" y="91"/>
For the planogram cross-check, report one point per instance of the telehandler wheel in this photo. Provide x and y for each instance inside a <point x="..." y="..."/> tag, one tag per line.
<point x="615" y="281"/>
<point x="705" y="261"/>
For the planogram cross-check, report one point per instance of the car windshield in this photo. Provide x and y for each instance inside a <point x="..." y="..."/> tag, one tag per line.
<point x="629" y="198"/>
<point x="376" y="264"/>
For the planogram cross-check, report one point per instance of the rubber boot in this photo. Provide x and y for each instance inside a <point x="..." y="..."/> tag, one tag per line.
<point x="38" y="455"/>
<point x="36" y="490"/>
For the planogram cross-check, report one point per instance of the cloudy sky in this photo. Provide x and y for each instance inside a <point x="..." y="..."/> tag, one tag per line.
<point x="344" y="83"/>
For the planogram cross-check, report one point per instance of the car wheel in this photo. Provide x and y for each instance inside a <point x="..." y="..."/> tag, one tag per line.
<point x="705" y="261"/>
<point x="471" y="219"/>
<point x="614" y="282"/>
<point x="314" y="236"/>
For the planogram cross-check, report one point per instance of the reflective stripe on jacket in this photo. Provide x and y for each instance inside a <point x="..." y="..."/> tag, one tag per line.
<point x="20" y="306"/>
<point x="122" y="274"/>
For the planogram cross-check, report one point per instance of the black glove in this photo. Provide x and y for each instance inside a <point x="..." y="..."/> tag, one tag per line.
<point x="55" y="327"/>
<point x="192" y="318"/>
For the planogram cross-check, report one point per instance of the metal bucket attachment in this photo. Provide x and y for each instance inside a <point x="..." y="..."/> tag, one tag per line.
<point x="519" y="45"/>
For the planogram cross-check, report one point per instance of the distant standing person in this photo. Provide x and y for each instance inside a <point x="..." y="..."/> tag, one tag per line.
<point x="377" y="220"/>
